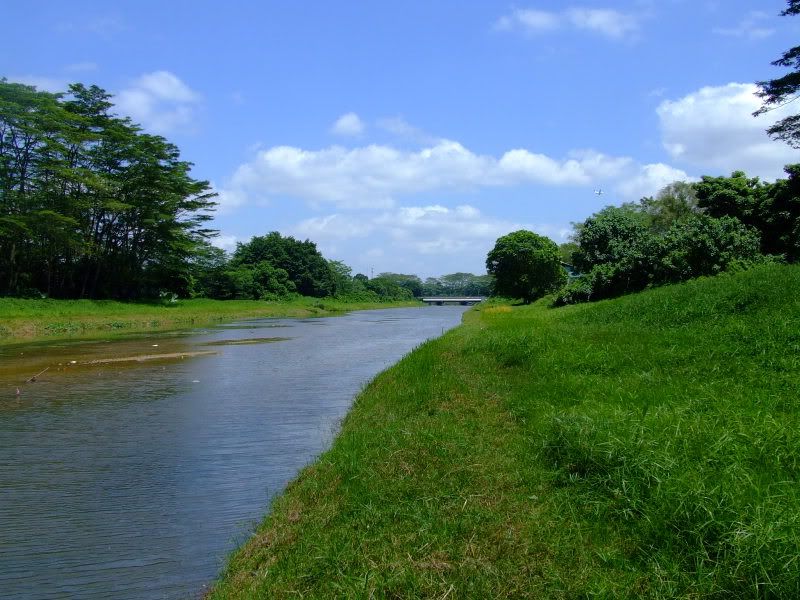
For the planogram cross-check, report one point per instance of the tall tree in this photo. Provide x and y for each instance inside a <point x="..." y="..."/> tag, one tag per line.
<point x="90" y="205"/>
<point x="525" y="265"/>
<point x="782" y="90"/>
<point x="307" y="269"/>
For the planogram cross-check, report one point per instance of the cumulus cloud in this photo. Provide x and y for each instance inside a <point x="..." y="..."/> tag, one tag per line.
<point x="349" y="125"/>
<point x="375" y="176"/>
<point x="650" y="179"/>
<point x="606" y="22"/>
<point x="159" y="101"/>
<point x="713" y="128"/>
<point x="421" y="230"/>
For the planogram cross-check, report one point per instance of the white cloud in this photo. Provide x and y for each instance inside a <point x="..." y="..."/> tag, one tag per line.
<point x="607" y="22"/>
<point x="713" y="128"/>
<point x="419" y="230"/>
<point x="649" y="180"/>
<point x="349" y="125"/>
<point x="750" y="27"/>
<point x="226" y="242"/>
<point x="159" y="101"/>
<point x="529" y="20"/>
<point x="376" y="176"/>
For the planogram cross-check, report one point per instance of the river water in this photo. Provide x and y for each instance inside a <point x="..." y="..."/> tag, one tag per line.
<point x="135" y="479"/>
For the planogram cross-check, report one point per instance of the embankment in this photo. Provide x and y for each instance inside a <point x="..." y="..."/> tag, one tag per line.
<point x="647" y="446"/>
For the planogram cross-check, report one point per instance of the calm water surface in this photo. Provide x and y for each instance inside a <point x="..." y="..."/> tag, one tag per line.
<point x="135" y="479"/>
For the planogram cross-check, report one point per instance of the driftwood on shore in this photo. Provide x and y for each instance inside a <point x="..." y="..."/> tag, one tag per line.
<point x="33" y="377"/>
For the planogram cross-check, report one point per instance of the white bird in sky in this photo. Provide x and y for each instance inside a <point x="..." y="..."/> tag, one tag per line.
<point x="599" y="192"/>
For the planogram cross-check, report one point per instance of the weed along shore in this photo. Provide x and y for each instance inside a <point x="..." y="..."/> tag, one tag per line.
<point x="646" y="446"/>
<point x="24" y="320"/>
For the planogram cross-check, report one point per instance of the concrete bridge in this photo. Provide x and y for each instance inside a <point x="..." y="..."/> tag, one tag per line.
<point x="442" y="300"/>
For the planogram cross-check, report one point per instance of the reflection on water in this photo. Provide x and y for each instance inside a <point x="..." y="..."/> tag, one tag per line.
<point x="134" y="480"/>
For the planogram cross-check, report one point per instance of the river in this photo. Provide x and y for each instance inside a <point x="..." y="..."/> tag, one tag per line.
<point x="129" y="479"/>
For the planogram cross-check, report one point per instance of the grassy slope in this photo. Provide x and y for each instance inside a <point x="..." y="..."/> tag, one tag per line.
<point x="647" y="446"/>
<point x="23" y="320"/>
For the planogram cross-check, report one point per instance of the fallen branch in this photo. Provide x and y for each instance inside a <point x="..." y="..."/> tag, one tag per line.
<point x="33" y="378"/>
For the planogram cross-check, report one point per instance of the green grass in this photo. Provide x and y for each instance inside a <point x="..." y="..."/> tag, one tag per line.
<point x="647" y="446"/>
<point x="30" y="320"/>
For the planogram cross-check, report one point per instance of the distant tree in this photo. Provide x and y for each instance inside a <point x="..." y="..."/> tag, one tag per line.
<point x="307" y="269"/>
<point x="342" y="277"/>
<point x="432" y="287"/>
<point x="386" y="287"/>
<point x="525" y="265"/>
<point x="567" y="251"/>
<point x="410" y="282"/>
<point x="674" y="202"/>
<point x="782" y="90"/>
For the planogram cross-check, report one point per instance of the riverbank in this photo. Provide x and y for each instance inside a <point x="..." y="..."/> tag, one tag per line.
<point x="641" y="447"/>
<point x="23" y="320"/>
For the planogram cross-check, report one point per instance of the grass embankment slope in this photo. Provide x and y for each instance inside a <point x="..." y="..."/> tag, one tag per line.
<point x="647" y="446"/>
<point x="29" y="320"/>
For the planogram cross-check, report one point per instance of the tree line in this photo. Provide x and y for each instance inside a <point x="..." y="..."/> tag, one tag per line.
<point x="687" y="230"/>
<point x="90" y="205"/>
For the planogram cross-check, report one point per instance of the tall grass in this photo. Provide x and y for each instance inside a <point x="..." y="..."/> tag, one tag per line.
<point x="647" y="446"/>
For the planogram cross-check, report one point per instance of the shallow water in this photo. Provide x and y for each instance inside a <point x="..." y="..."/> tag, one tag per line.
<point x="135" y="479"/>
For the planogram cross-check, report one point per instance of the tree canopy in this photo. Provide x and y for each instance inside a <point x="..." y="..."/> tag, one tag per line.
<point x="525" y="265"/>
<point x="686" y="231"/>
<point x="90" y="206"/>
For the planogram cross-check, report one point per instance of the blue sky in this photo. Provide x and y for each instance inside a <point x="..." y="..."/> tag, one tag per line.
<point x="407" y="136"/>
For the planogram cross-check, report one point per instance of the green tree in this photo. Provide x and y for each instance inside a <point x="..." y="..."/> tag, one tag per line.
<point x="525" y="265"/>
<point x="306" y="267"/>
<point x="342" y="278"/>
<point x="387" y="288"/>
<point x="615" y="235"/>
<point x="702" y="245"/>
<point x="736" y="196"/>
<point x="89" y="205"/>
<point x="674" y="202"/>
<point x="567" y="251"/>
<point x="782" y="90"/>
<point x="410" y="282"/>
<point x="780" y="216"/>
